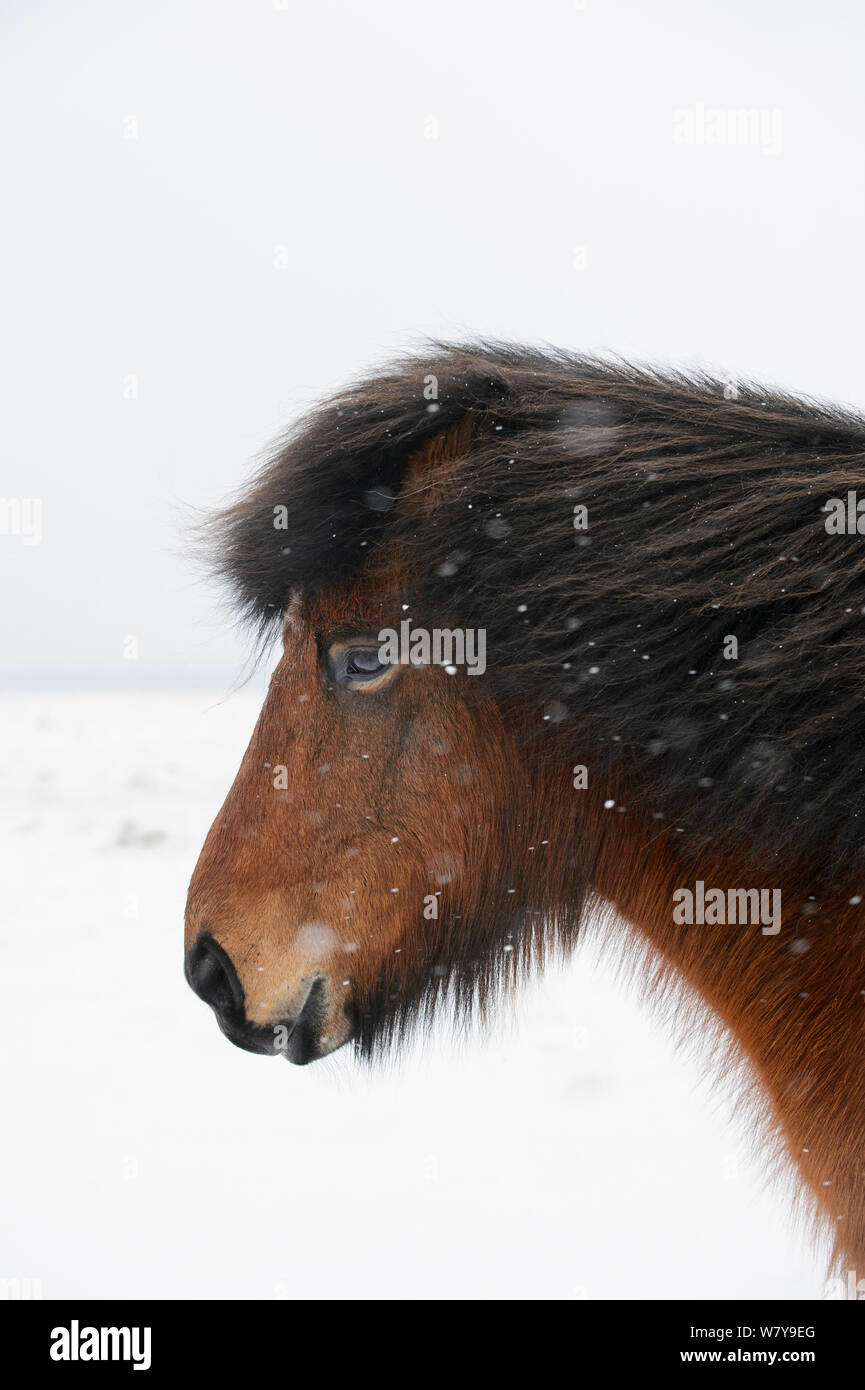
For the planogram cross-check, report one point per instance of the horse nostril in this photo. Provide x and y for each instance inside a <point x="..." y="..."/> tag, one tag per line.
<point x="210" y="973"/>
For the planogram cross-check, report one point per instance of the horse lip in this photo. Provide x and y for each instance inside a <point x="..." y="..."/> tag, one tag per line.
<point x="302" y="1044"/>
<point x="258" y="1040"/>
<point x="307" y="1041"/>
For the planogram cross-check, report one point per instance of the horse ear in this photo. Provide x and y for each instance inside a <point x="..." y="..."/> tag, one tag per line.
<point x="430" y="473"/>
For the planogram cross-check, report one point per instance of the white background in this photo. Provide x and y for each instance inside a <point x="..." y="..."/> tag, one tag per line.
<point x="214" y="214"/>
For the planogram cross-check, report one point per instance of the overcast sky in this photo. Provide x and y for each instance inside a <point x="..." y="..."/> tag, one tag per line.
<point x="216" y="212"/>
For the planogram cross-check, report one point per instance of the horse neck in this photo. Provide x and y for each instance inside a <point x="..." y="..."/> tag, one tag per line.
<point x="793" y="1002"/>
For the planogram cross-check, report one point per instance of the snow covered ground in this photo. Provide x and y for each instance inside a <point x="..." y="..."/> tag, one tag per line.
<point x="572" y="1154"/>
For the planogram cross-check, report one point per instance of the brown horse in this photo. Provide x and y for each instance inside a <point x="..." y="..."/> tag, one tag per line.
<point x="561" y="638"/>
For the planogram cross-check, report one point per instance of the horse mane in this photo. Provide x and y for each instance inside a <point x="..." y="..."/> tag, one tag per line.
<point x="704" y="521"/>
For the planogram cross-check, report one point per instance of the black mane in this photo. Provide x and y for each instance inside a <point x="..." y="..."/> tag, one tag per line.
<point x="704" y="520"/>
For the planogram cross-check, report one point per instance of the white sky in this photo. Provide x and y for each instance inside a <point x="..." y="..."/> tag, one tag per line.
<point x="304" y="126"/>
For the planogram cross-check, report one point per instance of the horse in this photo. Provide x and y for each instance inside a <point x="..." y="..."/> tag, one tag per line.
<point x="664" y="574"/>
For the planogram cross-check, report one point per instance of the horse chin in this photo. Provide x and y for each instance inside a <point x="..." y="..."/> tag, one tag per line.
<point x="320" y="1027"/>
<point x="304" y="1047"/>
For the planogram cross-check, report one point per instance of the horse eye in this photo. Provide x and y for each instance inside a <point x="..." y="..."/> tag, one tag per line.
<point x="354" y="667"/>
<point x="362" y="661"/>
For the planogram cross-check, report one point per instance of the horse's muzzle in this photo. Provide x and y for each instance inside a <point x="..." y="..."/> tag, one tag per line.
<point x="211" y="974"/>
